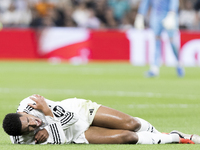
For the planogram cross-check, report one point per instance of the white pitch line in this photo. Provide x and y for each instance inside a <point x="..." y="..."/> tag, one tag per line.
<point x="144" y="106"/>
<point x="98" y="93"/>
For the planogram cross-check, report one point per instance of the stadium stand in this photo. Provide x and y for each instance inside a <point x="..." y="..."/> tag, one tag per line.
<point x="95" y="14"/>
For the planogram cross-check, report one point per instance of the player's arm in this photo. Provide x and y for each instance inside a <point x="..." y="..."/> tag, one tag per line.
<point x="66" y="118"/>
<point x="54" y="128"/>
<point x="144" y="7"/>
<point x="55" y="131"/>
<point x="142" y="11"/>
<point x="24" y="106"/>
<point x="41" y="136"/>
<point x="170" y="21"/>
<point x="40" y="104"/>
<point x="174" y="5"/>
<point x="22" y="139"/>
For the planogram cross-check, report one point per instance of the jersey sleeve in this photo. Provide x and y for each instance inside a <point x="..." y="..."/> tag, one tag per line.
<point x="25" y="139"/>
<point x="68" y="119"/>
<point x="24" y="107"/>
<point x="56" y="133"/>
<point x="144" y="7"/>
<point x="174" y="5"/>
<point x="65" y="117"/>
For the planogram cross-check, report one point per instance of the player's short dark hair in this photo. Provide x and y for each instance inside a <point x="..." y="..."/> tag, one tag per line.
<point x="12" y="124"/>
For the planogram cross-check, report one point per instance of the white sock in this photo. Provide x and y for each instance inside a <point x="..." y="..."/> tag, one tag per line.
<point x="152" y="138"/>
<point x="146" y="126"/>
<point x="155" y="69"/>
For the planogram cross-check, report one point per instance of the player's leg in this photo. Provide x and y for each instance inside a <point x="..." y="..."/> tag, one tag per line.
<point x="187" y="138"/>
<point x="157" y="28"/>
<point x="98" y="135"/>
<point x="174" y="46"/>
<point x="110" y="118"/>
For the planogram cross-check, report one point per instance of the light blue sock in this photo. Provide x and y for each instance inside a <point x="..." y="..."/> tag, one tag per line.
<point x="175" y="51"/>
<point x="157" y="53"/>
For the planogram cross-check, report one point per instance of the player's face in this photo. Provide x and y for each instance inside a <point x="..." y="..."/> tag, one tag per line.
<point x="30" y="123"/>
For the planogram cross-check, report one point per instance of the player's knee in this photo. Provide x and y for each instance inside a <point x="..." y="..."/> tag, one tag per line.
<point x="128" y="137"/>
<point x="132" y="124"/>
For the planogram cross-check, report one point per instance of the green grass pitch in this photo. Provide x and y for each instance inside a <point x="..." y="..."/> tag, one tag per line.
<point x="167" y="102"/>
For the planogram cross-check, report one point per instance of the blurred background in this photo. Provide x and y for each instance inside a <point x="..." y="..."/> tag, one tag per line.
<point x="83" y="30"/>
<point x="94" y="14"/>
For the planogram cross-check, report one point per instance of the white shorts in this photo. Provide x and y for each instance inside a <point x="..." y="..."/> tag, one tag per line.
<point x="86" y="110"/>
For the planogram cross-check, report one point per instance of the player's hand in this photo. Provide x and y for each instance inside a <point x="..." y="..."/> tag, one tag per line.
<point x="169" y="22"/>
<point x="1" y="26"/>
<point x="139" y="22"/>
<point x="41" y="136"/>
<point x="41" y="105"/>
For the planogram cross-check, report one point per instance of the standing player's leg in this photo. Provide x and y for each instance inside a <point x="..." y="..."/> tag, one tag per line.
<point x="175" y="49"/>
<point x="157" y="28"/>
<point x="113" y="119"/>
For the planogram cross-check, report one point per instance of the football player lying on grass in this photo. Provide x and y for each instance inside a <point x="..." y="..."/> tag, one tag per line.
<point x="42" y="121"/>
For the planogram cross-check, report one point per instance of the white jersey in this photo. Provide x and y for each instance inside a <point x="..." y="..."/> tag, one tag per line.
<point x="72" y="117"/>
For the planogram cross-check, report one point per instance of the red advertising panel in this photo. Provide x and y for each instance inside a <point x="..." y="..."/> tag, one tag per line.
<point x="109" y="45"/>
<point x="18" y="43"/>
